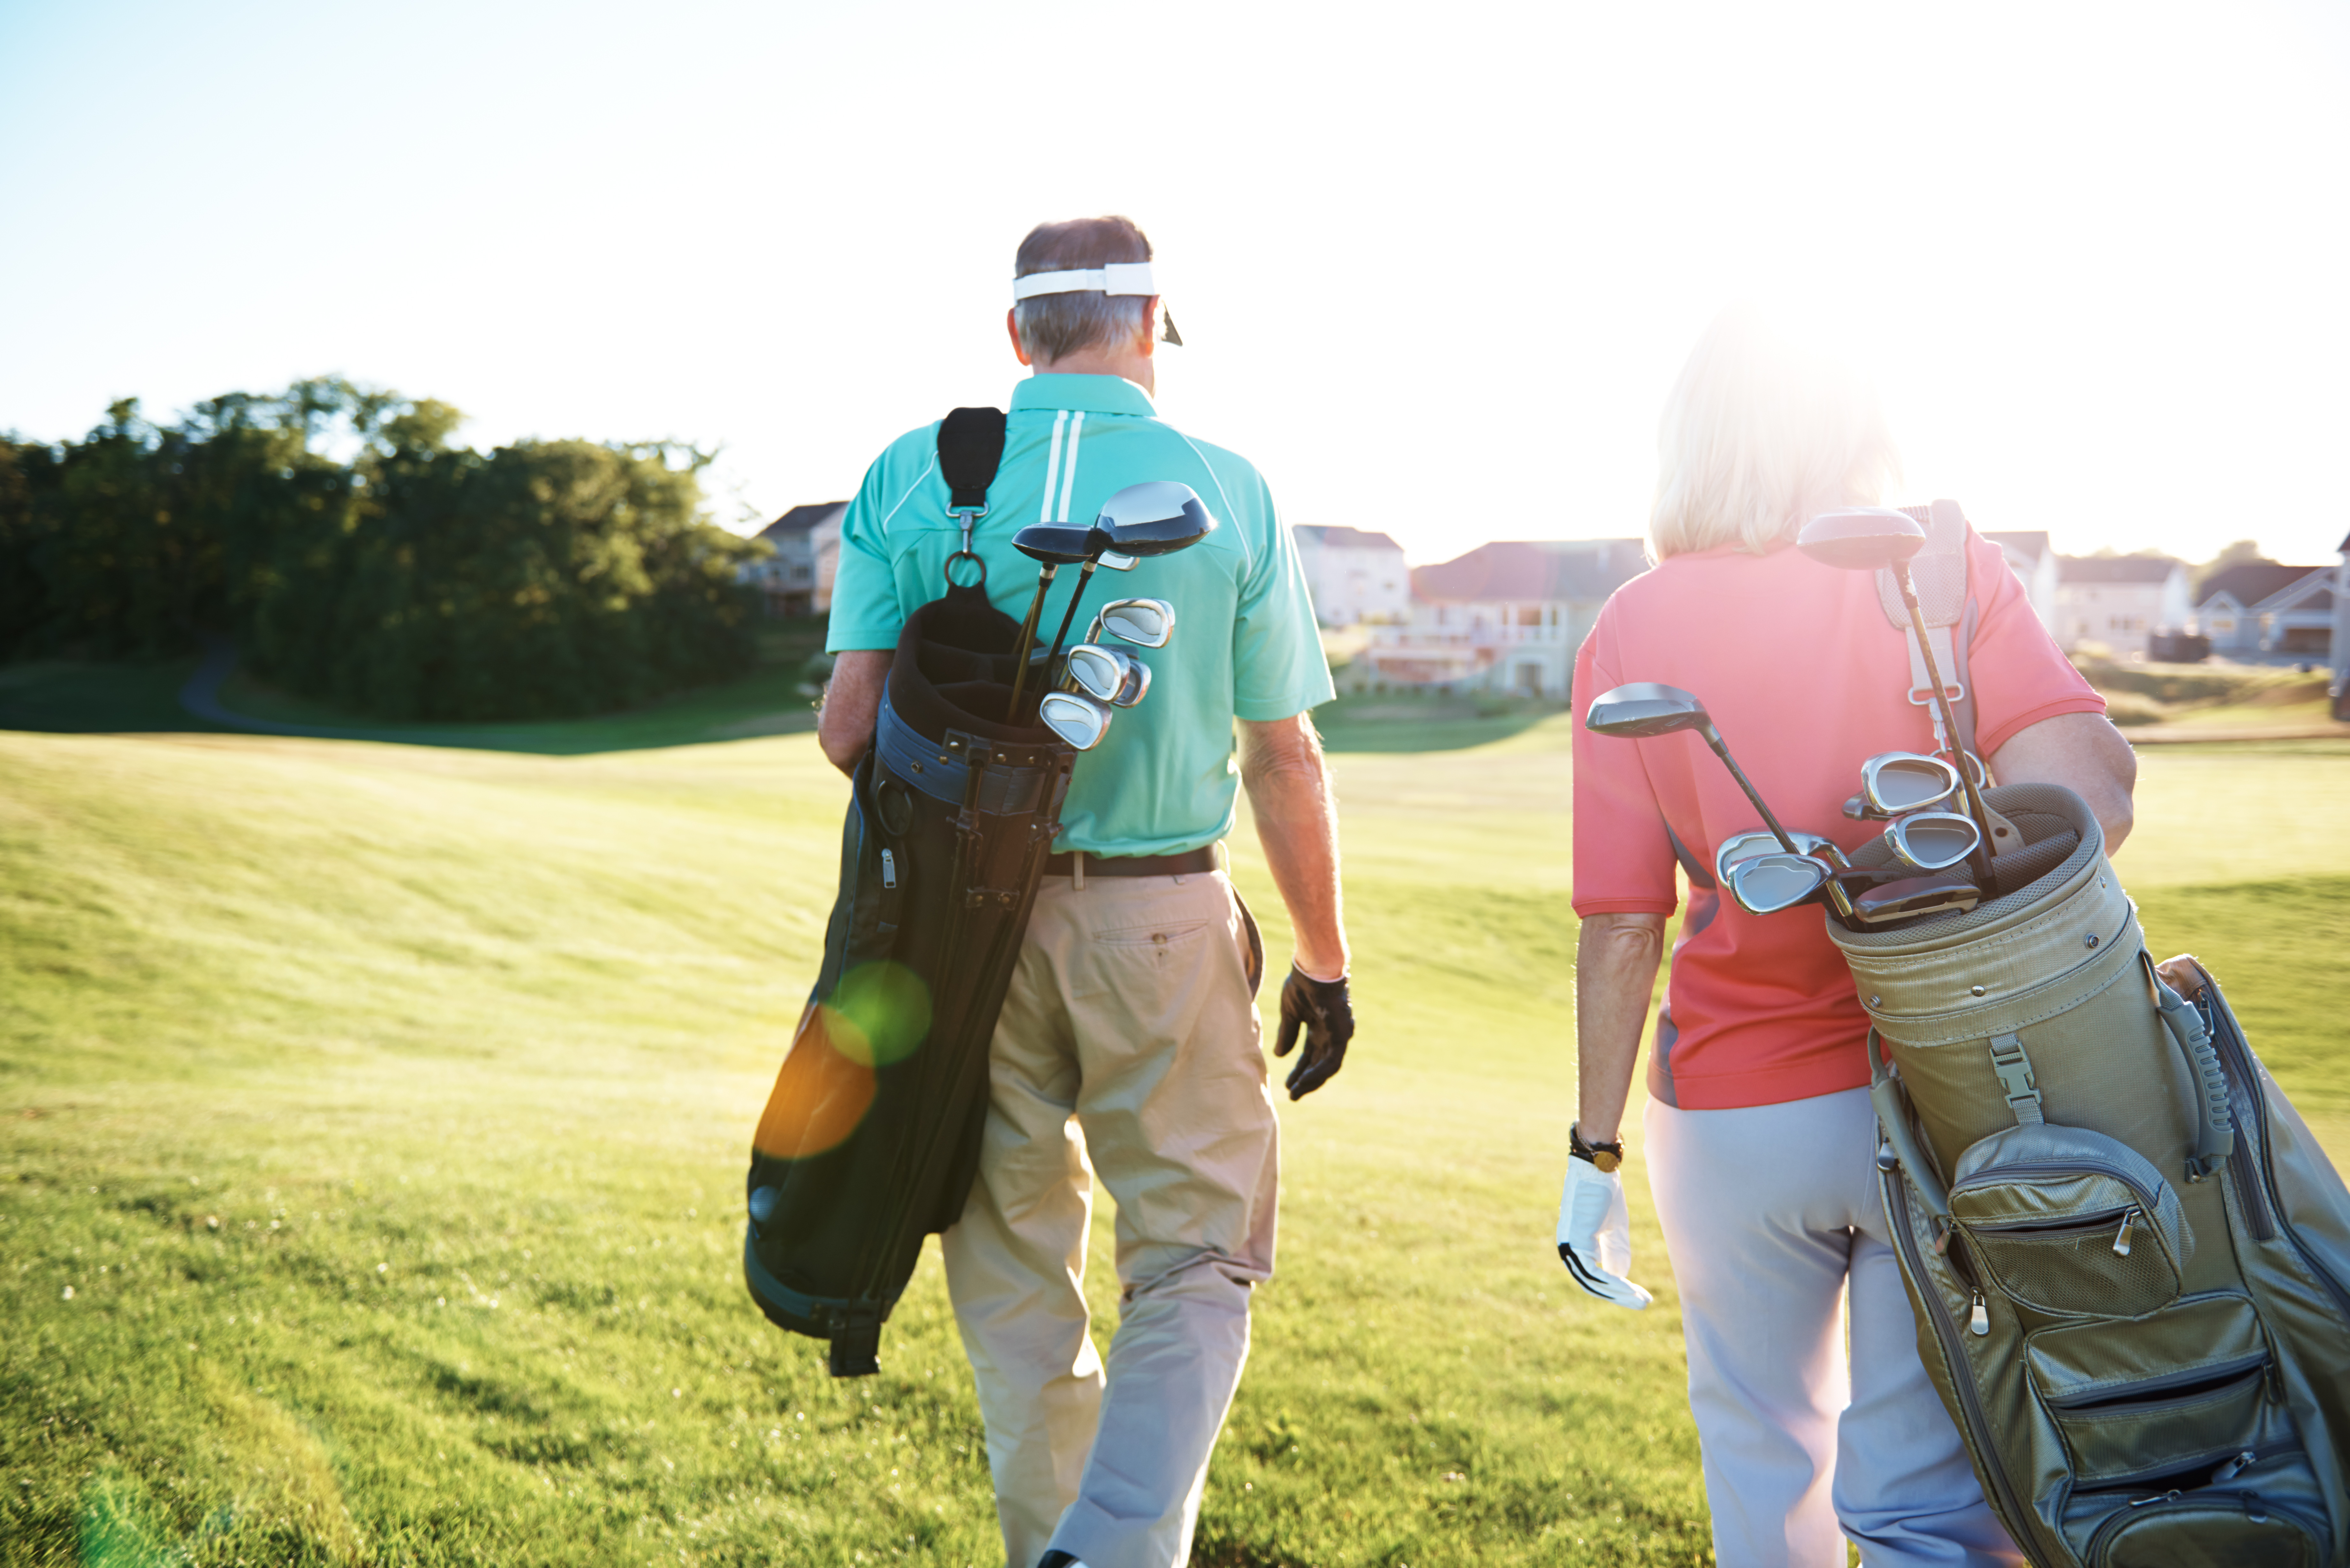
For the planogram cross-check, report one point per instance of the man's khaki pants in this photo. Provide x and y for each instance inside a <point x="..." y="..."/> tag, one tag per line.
<point x="1131" y="1012"/>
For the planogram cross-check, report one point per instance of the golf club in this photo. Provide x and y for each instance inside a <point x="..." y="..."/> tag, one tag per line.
<point x="1933" y="840"/>
<point x="1105" y="674"/>
<point x="1145" y="623"/>
<point x="1766" y="884"/>
<point x="1917" y="895"/>
<point x="1643" y="710"/>
<point x="1744" y="846"/>
<point x="1867" y="538"/>
<point x="1057" y="545"/>
<point x="1894" y="781"/>
<point x="1077" y="718"/>
<point x="1156" y="517"/>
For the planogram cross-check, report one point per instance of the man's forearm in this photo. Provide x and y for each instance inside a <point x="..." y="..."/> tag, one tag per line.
<point x="1615" y="958"/>
<point x="852" y="700"/>
<point x="1297" y="816"/>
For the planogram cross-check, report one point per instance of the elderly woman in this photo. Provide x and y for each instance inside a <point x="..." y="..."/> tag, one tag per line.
<point x="1758" y="1135"/>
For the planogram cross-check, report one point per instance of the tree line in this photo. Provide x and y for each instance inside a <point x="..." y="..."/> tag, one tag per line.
<point x="355" y="554"/>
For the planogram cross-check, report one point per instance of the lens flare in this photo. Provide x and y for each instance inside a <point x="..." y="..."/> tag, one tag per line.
<point x="821" y="1094"/>
<point x="882" y="1013"/>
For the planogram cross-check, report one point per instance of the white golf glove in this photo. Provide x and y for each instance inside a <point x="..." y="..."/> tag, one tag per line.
<point x="1595" y="1234"/>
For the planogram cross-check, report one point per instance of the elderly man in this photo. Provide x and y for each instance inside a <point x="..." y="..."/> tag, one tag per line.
<point x="1129" y="1042"/>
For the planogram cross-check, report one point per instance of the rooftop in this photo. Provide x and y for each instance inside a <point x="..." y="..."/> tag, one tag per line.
<point x="2114" y="569"/>
<point x="2248" y="585"/>
<point x="1533" y="571"/>
<point x="1339" y="538"/>
<point x="800" y="519"/>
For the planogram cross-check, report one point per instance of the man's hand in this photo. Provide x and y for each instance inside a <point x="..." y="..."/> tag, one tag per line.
<point x="1324" y="1011"/>
<point x="1594" y="1234"/>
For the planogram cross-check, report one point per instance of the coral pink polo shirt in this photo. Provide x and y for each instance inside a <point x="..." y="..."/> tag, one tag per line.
<point x="1805" y="679"/>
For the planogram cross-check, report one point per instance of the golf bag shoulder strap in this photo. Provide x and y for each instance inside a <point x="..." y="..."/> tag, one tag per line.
<point x="971" y="446"/>
<point x="1946" y="598"/>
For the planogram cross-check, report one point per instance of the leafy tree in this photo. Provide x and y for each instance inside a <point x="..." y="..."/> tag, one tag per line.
<point x="413" y="579"/>
<point x="2242" y="553"/>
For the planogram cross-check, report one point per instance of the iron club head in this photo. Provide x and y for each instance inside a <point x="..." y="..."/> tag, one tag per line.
<point x="1740" y="848"/>
<point x="1935" y="895"/>
<point x="1767" y="884"/>
<point x="1144" y="623"/>
<point x="1933" y="840"/>
<point x="1077" y="718"/>
<point x="1107" y="675"/>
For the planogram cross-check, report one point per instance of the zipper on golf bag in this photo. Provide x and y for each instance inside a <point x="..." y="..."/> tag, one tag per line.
<point x="2264" y="1204"/>
<point x="2071" y="1222"/>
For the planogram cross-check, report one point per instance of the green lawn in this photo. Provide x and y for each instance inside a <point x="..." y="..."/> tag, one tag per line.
<point x="384" y="1109"/>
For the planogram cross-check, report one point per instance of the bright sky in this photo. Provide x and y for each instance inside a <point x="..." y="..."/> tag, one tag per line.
<point x="1436" y="267"/>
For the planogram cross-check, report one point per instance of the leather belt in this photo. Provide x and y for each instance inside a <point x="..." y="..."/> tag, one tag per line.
<point x="1190" y="863"/>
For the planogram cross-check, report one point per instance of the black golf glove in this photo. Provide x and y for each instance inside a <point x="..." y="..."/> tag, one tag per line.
<point x="1324" y="1011"/>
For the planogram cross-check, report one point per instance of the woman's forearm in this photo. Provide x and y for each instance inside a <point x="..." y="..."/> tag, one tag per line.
<point x="1615" y="958"/>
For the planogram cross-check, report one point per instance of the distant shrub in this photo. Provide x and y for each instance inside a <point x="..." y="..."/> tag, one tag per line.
<point x="413" y="580"/>
<point x="2127" y="708"/>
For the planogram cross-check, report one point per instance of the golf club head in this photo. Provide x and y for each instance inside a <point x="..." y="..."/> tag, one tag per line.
<point x="1862" y="538"/>
<point x="1136" y="686"/>
<point x="1892" y="782"/>
<point x="1917" y="895"/>
<point x="1054" y="543"/>
<point x="1078" y="719"/>
<point x="1933" y="840"/>
<point x="1145" y="623"/>
<point x="1156" y="517"/>
<point x="1101" y="674"/>
<point x="1116" y="562"/>
<point x="1740" y="848"/>
<point x="1769" y="883"/>
<point x="1643" y="710"/>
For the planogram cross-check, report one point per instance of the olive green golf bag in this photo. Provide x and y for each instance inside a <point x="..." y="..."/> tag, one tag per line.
<point x="870" y="1139"/>
<point x="2129" y="1260"/>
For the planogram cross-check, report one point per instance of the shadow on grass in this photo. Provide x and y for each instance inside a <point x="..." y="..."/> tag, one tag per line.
<point x="1426" y="722"/>
<point x="209" y="695"/>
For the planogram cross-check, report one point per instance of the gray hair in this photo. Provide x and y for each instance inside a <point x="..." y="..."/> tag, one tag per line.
<point x="1055" y="326"/>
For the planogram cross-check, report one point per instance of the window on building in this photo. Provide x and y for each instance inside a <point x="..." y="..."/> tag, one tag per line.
<point x="1530" y="615"/>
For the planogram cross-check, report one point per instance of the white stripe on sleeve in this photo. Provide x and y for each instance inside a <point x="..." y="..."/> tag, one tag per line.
<point x="1052" y="466"/>
<point x="1069" y="467"/>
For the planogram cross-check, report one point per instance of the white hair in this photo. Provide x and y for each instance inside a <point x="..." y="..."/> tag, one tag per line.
<point x="1759" y="435"/>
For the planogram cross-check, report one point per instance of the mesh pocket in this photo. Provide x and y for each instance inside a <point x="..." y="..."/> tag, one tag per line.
<point x="2072" y="1269"/>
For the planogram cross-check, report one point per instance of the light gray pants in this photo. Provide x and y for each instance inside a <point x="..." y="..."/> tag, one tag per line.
<point x="1127" y="1047"/>
<point x="1777" y="1236"/>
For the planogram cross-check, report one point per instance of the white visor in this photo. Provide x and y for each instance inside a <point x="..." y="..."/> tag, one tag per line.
<point x="1118" y="277"/>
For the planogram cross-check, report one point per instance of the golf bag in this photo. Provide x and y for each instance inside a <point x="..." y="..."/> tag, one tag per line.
<point x="2130" y="1260"/>
<point x="870" y="1141"/>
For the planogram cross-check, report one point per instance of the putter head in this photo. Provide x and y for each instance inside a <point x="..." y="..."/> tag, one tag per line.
<point x="1054" y="543"/>
<point x="1916" y="895"/>
<point x="1892" y="782"/>
<point x="1643" y="710"/>
<point x="1933" y="840"/>
<point x="1740" y="848"/>
<point x="1078" y="719"/>
<point x="1144" y="623"/>
<point x="1769" y="883"/>
<point x="1862" y="538"/>
<point x="1157" y="517"/>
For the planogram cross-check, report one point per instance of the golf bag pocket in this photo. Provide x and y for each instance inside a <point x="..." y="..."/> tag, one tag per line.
<point x="2071" y="1222"/>
<point x="2179" y="1393"/>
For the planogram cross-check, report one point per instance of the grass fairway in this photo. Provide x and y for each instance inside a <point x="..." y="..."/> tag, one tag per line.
<point x="375" y="1118"/>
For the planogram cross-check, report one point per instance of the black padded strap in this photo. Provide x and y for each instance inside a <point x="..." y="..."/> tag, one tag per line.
<point x="970" y="445"/>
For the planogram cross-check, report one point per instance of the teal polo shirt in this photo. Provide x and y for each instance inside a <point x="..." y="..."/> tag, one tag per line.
<point x="1165" y="779"/>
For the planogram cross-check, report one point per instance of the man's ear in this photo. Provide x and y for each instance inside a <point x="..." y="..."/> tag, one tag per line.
<point x="1147" y="343"/>
<point x="1011" y="325"/>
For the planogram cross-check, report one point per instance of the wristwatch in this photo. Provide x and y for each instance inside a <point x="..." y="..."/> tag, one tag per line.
<point x="1604" y="1156"/>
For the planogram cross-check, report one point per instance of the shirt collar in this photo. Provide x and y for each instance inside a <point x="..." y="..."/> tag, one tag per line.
<point x="1094" y="394"/>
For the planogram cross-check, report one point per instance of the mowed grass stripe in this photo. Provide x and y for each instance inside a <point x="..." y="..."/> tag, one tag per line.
<point x="429" y="1030"/>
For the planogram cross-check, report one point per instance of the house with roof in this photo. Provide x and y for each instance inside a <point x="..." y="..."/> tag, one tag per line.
<point x="1505" y="617"/>
<point x="1353" y="576"/>
<point x="2265" y="608"/>
<point x="797" y="578"/>
<point x="2119" y="600"/>
<point x="2036" y="565"/>
<point x="2341" y="632"/>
